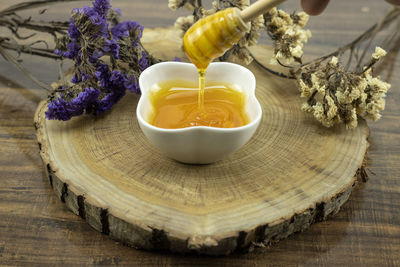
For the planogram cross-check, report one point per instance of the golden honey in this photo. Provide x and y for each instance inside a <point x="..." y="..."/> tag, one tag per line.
<point x="179" y="104"/>
<point x="175" y="105"/>
<point x="209" y="38"/>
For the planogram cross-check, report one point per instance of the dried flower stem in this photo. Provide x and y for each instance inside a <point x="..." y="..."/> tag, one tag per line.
<point x="14" y="22"/>
<point x="9" y="19"/>
<point x="280" y="74"/>
<point x="12" y="60"/>
<point x="370" y="33"/>
<point x="31" y="4"/>
<point x="43" y="52"/>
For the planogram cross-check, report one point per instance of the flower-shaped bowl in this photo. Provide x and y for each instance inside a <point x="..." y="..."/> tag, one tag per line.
<point x="198" y="144"/>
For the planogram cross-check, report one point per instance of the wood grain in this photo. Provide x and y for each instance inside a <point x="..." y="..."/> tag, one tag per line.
<point x="36" y="228"/>
<point x="292" y="173"/>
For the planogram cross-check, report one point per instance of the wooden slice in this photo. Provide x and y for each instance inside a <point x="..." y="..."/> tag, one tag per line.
<point x="292" y="173"/>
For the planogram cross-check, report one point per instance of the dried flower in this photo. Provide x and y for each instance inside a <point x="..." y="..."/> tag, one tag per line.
<point x="374" y="96"/>
<point x="288" y="35"/>
<point x="127" y="28"/>
<point x="183" y="24"/>
<point x="108" y="60"/>
<point x="175" y="4"/>
<point x="101" y="7"/>
<point x="335" y="96"/>
<point x="61" y="109"/>
<point x="379" y="53"/>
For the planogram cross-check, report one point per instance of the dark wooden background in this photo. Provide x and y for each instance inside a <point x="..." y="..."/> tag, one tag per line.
<point x="36" y="229"/>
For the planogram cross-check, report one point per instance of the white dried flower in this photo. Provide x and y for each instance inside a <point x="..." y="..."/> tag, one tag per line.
<point x="285" y="16"/>
<point x="332" y="110"/>
<point x="288" y="34"/>
<point x="334" y="61"/>
<point x="174" y="4"/>
<point x="189" y="6"/>
<point x="241" y="4"/>
<point x="273" y="12"/>
<point x="301" y="19"/>
<point x="296" y="51"/>
<point x="184" y="23"/>
<point x="336" y="96"/>
<point x="303" y="36"/>
<point x="378" y="86"/>
<point x="215" y="5"/>
<point x="306" y="91"/>
<point x="254" y="33"/>
<point x="240" y="55"/>
<point x="352" y="122"/>
<point x="379" y="53"/>
<point x="307" y="108"/>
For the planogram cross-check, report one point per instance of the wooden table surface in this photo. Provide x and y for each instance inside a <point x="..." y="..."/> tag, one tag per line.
<point x="36" y="228"/>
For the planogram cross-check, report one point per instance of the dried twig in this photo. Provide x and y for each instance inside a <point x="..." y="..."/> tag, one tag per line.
<point x="16" y="22"/>
<point x="31" y="4"/>
<point x="280" y="74"/>
<point x="370" y="33"/>
<point x="12" y="60"/>
<point x="43" y="52"/>
<point x="391" y="16"/>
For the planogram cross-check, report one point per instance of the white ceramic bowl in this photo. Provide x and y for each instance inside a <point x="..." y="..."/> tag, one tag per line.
<point x="198" y="144"/>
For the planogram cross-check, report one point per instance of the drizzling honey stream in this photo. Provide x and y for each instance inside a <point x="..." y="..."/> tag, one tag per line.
<point x="211" y="37"/>
<point x="205" y="41"/>
<point x="175" y="104"/>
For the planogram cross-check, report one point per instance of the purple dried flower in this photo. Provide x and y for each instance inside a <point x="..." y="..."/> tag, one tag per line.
<point x="93" y="78"/>
<point x="94" y="57"/>
<point x="101" y="24"/>
<point x="103" y="74"/>
<point x="102" y="7"/>
<point x="132" y="85"/>
<point x="117" y="10"/>
<point x="86" y="77"/>
<point x="82" y="77"/>
<point x="125" y="28"/>
<point x="119" y="31"/>
<point x="73" y="31"/>
<point x="60" y="109"/>
<point x="143" y="62"/>
<point x="73" y="50"/>
<point x="76" y="79"/>
<point x="112" y="47"/>
<point x="59" y="52"/>
<point x="97" y="20"/>
<point x="117" y="80"/>
<point x="117" y="89"/>
<point x="87" y="100"/>
<point x="108" y="101"/>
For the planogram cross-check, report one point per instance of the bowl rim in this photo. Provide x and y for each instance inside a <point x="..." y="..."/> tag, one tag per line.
<point x="251" y="124"/>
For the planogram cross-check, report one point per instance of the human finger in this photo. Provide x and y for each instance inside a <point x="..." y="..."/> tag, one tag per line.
<point x="394" y="2"/>
<point x="315" y="7"/>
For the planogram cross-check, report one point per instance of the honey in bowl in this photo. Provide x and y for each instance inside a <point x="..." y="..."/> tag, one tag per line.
<point x="204" y="42"/>
<point x="180" y="104"/>
<point x="175" y="104"/>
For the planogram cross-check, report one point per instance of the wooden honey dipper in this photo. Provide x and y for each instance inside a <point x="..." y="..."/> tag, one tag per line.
<point x="211" y="36"/>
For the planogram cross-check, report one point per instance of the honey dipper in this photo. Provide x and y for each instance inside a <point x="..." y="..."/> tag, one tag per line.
<point x="211" y="36"/>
